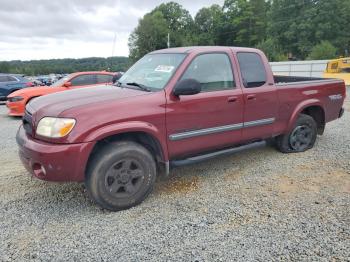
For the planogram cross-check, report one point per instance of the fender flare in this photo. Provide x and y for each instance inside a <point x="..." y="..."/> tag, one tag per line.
<point x="130" y="126"/>
<point x="299" y="108"/>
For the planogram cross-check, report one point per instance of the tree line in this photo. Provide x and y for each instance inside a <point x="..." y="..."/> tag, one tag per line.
<point x="67" y="65"/>
<point x="284" y="29"/>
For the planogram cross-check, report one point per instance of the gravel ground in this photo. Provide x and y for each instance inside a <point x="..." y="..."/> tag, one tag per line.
<point x="256" y="205"/>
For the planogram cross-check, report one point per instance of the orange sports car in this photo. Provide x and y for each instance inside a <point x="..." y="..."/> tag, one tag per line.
<point x="16" y="101"/>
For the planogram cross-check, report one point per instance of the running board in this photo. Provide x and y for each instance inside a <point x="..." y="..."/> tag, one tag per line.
<point x="201" y="158"/>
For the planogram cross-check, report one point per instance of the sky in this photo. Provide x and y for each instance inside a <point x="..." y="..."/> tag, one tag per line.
<point x="45" y="29"/>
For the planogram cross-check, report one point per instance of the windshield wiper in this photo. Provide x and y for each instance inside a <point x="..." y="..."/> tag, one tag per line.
<point x="141" y="86"/>
<point x="117" y="83"/>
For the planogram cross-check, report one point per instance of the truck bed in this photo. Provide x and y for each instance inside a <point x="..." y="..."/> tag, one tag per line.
<point x="292" y="80"/>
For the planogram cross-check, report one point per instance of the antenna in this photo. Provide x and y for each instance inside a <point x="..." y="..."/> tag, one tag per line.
<point x="115" y="39"/>
<point x="168" y="43"/>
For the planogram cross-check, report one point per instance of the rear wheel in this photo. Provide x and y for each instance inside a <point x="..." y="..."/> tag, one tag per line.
<point x="301" y="138"/>
<point x="121" y="175"/>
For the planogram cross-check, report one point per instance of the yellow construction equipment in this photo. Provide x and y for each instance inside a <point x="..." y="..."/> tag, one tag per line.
<point x="338" y="68"/>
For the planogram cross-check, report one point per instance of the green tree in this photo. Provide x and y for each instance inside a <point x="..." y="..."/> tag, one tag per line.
<point x="331" y="23"/>
<point x="176" y="16"/>
<point x="153" y="29"/>
<point x="272" y="50"/>
<point x="149" y="35"/>
<point x="324" y="50"/>
<point x="244" y="22"/>
<point x="299" y="25"/>
<point x="59" y="66"/>
<point x="179" y="23"/>
<point x="4" y="67"/>
<point x="207" y="23"/>
<point x="259" y="9"/>
<point x="291" y="25"/>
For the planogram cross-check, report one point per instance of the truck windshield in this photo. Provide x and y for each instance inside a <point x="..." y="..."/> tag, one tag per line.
<point x="153" y="71"/>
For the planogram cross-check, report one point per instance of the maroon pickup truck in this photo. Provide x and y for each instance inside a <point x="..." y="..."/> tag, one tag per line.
<point x="173" y="107"/>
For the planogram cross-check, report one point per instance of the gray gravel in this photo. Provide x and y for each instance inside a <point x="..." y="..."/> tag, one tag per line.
<point x="256" y="205"/>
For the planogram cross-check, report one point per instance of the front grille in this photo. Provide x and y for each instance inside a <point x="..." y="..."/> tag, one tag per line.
<point x="28" y="123"/>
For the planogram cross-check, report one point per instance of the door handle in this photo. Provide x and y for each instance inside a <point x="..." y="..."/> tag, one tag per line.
<point x="251" y="97"/>
<point x="232" y="99"/>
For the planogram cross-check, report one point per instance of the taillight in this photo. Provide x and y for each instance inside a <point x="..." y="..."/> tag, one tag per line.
<point x="29" y="84"/>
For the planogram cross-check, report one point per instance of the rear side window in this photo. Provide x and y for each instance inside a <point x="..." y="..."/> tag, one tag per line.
<point x="3" y="79"/>
<point x="252" y="69"/>
<point x="7" y="79"/>
<point x="11" y="79"/>
<point x="334" y="66"/>
<point x="213" y="71"/>
<point x="101" y="79"/>
<point x="84" y="80"/>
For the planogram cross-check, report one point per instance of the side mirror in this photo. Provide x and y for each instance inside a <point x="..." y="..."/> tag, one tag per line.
<point x="116" y="77"/>
<point x="67" y="84"/>
<point x="187" y="87"/>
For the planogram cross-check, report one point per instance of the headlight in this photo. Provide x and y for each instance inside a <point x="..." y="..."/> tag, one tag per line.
<point x="55" y="127"/>
<point x="15" y="99"/>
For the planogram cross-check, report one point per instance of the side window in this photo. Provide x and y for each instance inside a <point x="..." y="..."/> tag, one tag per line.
<point x="213" y="71"/>
<point x="3" y="79"/>
<point x="84" y="80"/>
<point x="101" y="79"/>
<point x="252" y="69"/>
<point x="11" y="79"/>
<point x="334" y="66"/>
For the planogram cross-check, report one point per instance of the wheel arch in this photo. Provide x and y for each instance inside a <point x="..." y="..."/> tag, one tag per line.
<point x="146" y="137"/>
<point x="31" y="98"/>
<point x="13" y="90"/>
<point x="318" y="114"/>
<point x="313" y="108"/>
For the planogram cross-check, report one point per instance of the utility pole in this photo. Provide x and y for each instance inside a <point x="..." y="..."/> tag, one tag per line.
<point x="168" y="43"/>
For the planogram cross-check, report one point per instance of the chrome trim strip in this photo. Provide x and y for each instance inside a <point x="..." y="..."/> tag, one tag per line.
<point x="206" y="131"/>
<point x="260" y="122"/>
<point x="219" y="129"/>
<point x="325" y="81"/>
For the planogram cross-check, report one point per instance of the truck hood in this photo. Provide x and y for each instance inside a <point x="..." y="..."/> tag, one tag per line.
<point x="55" y="104"/>
<point x="33" y="91"/>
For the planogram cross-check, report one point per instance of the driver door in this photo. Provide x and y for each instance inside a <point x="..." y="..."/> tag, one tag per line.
<point x="211" y="119"/>
<point x="83" y="80"/>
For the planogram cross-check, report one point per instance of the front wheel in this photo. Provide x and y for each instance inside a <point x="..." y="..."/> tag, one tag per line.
<point x="120" y="175"/>
<point x="301" y="138"/>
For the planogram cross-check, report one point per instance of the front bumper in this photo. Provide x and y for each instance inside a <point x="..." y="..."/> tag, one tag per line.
<point x="15" y="108"/>
<point x="53" y="162"/>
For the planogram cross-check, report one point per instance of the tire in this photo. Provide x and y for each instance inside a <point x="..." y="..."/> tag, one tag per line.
<point x="120" y="175"/>
<point x="301" y="138"/>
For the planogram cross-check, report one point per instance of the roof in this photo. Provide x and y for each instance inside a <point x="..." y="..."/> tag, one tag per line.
<point x="190" y="49"/>
<point x="9" y="74"/>
<point x="93" y="72"/>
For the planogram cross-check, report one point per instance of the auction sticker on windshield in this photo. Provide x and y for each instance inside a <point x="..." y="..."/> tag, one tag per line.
<point x="164" y="68"/>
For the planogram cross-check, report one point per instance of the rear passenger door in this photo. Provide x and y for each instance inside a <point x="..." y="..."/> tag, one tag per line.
<point x="211" y="119"/>
<point x="260" y="96"/>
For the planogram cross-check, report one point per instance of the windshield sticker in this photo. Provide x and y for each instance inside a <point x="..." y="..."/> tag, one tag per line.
<point x="164" y="68"/>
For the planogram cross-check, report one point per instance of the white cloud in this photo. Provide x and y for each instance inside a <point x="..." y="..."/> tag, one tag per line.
<point x="44" y="29"/>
